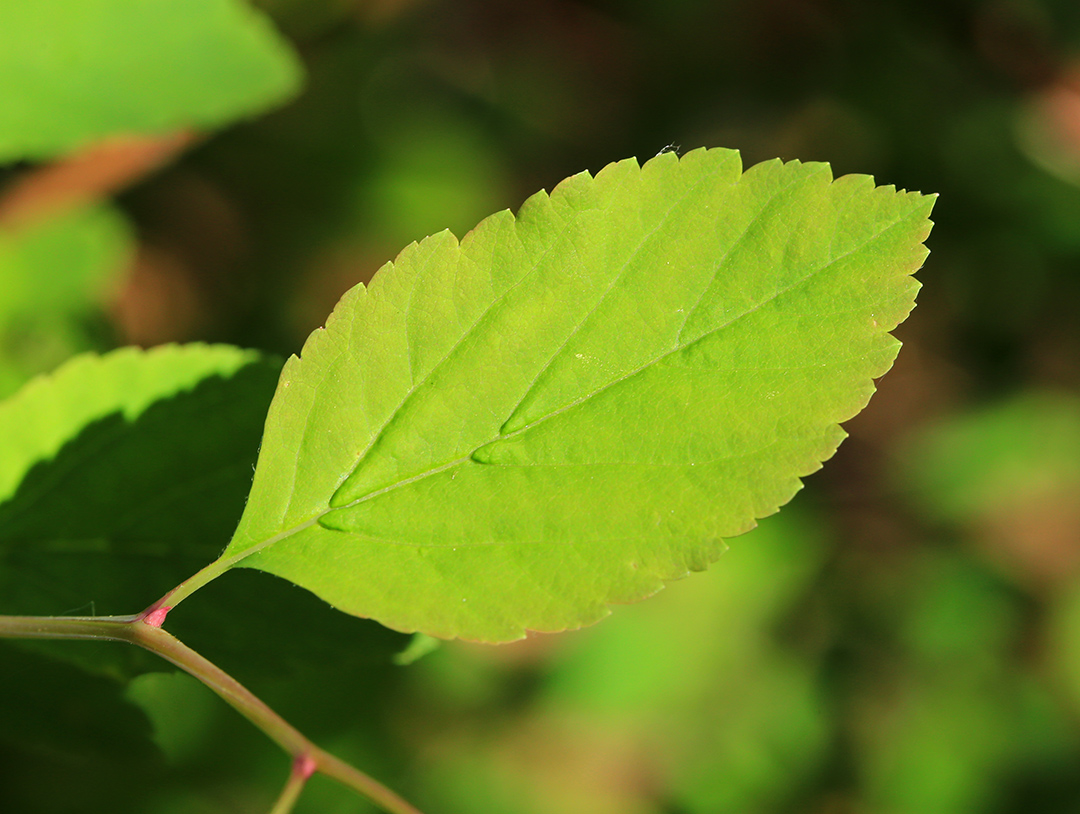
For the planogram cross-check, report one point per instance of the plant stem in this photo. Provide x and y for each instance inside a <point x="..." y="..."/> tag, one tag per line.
<point x="190" y="585"/>
<point x="109" y="628"/>
<point x="134" y="630"/>
<point x="157" y="640"/>
<point x="219" y="566"/>
<point x="289" y="795"/>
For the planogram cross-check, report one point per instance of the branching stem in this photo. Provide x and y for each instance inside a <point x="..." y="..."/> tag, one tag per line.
<point x="144" y="630"/>
<point x="302" y="769"/>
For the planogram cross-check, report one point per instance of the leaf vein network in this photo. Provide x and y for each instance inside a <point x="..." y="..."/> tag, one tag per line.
<point x="678" y="348"/>
<point x="768" y="202"/>
<point x="500" y="300"/>
<point x="611" y="287"/>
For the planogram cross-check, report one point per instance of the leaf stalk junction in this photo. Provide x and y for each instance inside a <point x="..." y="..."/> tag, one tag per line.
<point x="144" y="629"/>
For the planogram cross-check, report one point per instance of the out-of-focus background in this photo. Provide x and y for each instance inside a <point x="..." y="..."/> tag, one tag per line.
<point x="903" y="637"/>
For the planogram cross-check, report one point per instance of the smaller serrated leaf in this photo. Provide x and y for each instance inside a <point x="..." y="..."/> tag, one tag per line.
<point x="119" y="474"/>
<point x="77" y="72"/>
<point x="55" y="409"/>
<point x="156" y="455"/>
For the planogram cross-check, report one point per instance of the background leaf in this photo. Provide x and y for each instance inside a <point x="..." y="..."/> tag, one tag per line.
<point x="120" y="475"/>
<point x="123" y="475"/>
<point x="60" y="722"/>
<point x="131" y="472"/>
<point x="53" y="274"/>
<point x="75" y="72"/>
<point x="1016" y="452"/>
<point x="45" y="715"/>
<point x="574" y="405"/>
<point x="52" y="411"/>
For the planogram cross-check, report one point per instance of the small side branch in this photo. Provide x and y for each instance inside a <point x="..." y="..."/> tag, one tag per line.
<point x="144" y="630"/>
<point x="302" y="769"/>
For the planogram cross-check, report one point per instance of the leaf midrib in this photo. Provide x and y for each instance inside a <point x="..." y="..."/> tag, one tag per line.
<point x="679" y="348"/>
<point x="897" y="221"/>
<point x="613" y="285"/>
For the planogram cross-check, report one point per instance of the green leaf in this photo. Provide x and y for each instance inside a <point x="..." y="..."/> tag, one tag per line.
<point x="89" y="391"/>
<point x="76" y="72"/>
<point x="150" y="455"/>
<point x="119" y="474"/>
<point x="569" y="408"/>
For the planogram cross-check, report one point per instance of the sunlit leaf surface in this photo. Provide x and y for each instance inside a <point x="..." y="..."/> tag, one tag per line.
<point x="571" y="406"/>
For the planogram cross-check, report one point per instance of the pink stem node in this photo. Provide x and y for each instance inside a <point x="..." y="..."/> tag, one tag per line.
<point x="304" y="766"/>
<point x="156" y="617"/>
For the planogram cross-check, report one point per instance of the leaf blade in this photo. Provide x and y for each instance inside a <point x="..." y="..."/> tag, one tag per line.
<point x="569" y="408"/>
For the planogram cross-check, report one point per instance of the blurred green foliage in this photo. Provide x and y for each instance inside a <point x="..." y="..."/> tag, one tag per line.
<point x="45" y="319"/>
<point x="76" y="72"/>
<point x="904" y="638"/>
